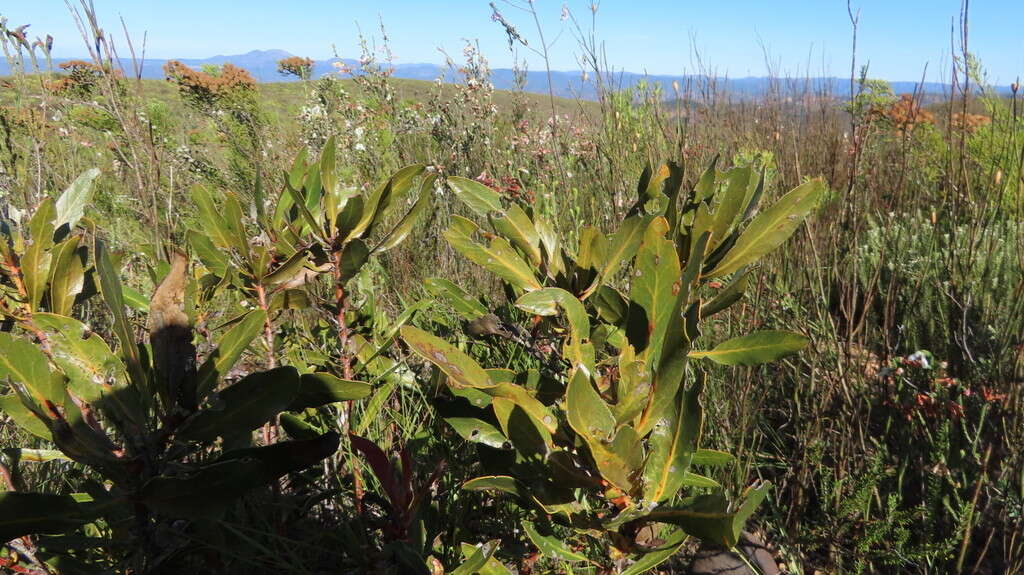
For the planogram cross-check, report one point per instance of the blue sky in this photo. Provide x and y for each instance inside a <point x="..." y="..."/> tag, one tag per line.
<point x="897" y="37"/>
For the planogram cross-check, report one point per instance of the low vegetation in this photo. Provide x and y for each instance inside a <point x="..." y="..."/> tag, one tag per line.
<point x="364" y="324"/>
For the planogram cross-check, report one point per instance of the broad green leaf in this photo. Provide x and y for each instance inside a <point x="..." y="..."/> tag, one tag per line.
<point x="770" y="228"/>
<point x="587" y="413"/>
<point x="673" y="443"/>
<point x="478" y="431"/>
<point x="753" y="197"/>
<point x="355" y="254"/>
<point x="476" y="397"/>
<point x="213" y="258"/>
<point x="755" y="348"/>
<point x="296" y="427"/>
<point x="593" y="249"/>
<point x="35" y="513"/>
<point x="231" y="207"/>
<point x="301" y="204"/>
<point x="502" y="483"/>
<point x="40" y="225"/>
<point x="67" y="275"/>
<point x="461" y="369"/>
<point x="92" y="369"/>
<point x="702" y="221"/>
<point x="328" y="178"/>
<point x="71" y="204"/>
<point x="708" y="516"/>
<point x="23" y="362"/>
<point x="23" y="416"/>
<point x="288" y="270"/>
<point x="712" y="457"/>
<point x="729" y="295"/>
<point x="400" y="184"/>
<point x="517" y="227"/>
<point x="611" y="305"/>
<point x="546" y="302"/>
<point x="673" y="542"/>
<point x="527" y="434"/>
<point x="691" y="479"/>
<point x="35" y="455"/>
<point x="289" y="299"/>
<point x="377" y="202"/>
<point x="134" y="299"/>
<point x="620" y="460"/>
<point x="672" y="188"/>
<point x="732" y="203"/>
<point x="404" y="226"/>
<point x="244" y="406"/>
<point x="633" y="390"/>
<point x="230" y="348"/>
<point x="349" y="217"/>
<point x="491" y="567"/>
<point x="317" y="389"/>
<point x="297" y="172"/>
<point x="550" y="545"/>
<point x="35" y="263"/>
<point x="464" y="304"/>
<point x="706" y="184"/>
<point x="669" y="376"/>
<point x="499" y="257"/>
<point x="683" y="320"/>
<point x="655" y="284"/>
<point x="211" y="215"/>
<point x="286" y="456"/>
<point x="521" y="397"/>
<point x="655" y="183"/>
<point x="476" y="196"/>
<point x="501" y="375"/>
<point x="313" y="189"/>
<point x="621" y="248"/>
<point x="478" y="560"/>
<point x="549" y="240"/>
<point x="113" y="294"/>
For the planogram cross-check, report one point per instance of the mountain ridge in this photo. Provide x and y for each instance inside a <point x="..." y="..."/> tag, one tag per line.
<point x="262" y="64"/>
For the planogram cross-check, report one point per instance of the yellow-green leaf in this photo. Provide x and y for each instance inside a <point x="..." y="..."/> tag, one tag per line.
<point x="229" y="349"/>
<point x="770" y="228"/>
<point x="461" y="369"/>
<point x="476" y="196"/>
<point x="23" y="362"/>
<point x="499" y="257"/>
<point x="755" y="348"/>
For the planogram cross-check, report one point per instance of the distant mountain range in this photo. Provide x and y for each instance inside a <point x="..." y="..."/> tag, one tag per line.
<point x="262" y="64"/>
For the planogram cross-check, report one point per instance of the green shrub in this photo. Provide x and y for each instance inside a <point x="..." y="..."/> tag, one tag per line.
<point x="598" y="437"/>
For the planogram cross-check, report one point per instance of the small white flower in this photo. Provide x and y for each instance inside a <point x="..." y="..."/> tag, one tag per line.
<point x="920" y="358"/>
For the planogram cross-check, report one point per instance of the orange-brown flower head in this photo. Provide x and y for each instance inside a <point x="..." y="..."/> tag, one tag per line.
<point x="903" y="115"/>
<point x="207" y="90"/>
<point x="970" y="122"/>
<point x="297" y="66"/>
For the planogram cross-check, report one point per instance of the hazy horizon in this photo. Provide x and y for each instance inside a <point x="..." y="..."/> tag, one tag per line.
<point x="804" y="38"/>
